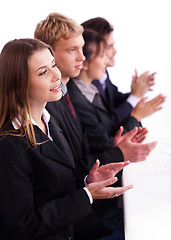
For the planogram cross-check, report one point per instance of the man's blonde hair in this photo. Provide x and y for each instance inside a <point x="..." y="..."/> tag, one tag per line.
<point x="56" y="26"/>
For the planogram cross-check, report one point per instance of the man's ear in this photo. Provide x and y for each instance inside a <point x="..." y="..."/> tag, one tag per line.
<point x="85" y="65"/>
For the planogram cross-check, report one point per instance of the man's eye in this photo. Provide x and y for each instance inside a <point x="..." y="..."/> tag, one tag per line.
<point x="42" y="73"/>
<point x="72" y="50"/>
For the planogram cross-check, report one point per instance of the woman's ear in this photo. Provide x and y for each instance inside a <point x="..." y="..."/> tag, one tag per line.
<point x="85" y="65"/>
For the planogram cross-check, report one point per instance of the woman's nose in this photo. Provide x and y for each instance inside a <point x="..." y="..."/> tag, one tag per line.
<point x="56" y="74"/>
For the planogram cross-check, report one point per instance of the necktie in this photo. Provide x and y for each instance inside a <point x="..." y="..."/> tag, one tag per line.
<point x="67" y="98"/>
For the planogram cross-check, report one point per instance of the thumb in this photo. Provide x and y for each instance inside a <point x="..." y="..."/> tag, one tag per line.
<point x="144" y="99"/>
<point x="119" y="132"/>
<point x="136" y="73"/>
<point x="96" y="165"/>
<point x="118" y="137"/>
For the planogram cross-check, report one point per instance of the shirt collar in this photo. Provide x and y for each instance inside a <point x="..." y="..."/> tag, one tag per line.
<point x="89" y="91"/>
<point x="103" y="79"/>
<point x="45" y="116"/>
<point x="63" y="89"/>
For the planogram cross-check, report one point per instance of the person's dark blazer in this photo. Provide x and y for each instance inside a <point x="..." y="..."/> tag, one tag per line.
<point x="37" y="185"/>
<point x="77" y="137"/>
<point x="114" y="101"/>
<point x="96" y="120"/>
<point x="72" y="131"/>
<point x="84" y="161"/>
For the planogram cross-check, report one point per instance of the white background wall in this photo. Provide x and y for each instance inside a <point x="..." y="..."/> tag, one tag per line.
<point x="142" y="34"/>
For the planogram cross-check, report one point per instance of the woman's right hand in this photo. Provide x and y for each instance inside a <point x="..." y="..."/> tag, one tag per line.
<point x="101" y="190"/>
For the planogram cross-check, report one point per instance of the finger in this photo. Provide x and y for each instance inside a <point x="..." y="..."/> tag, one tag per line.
<point x="120" y="190"/>
<point x="157" y="104"/>
<point x="152" y="76"/>
<point x="95" y="187"/>
<point x="154" y="73"/>
<point x="141" y="134"/>
<point x="136" y="73"/>
<point x="157" y="100"/>
<point x="126" y="163"/>
<point x="96" y="165"/>
<point x="133" y="79"/>
<point x="143" y="150"/>
<point x="157" y="109"/>
<point x="111" y="192"/>
<point x="139" y="139"/>
<point x="118" y="137"/>
<point x="160" y="98"/>
<point x="120" y="166"/>
<point x="142" y="130"/>
<point x="150" y="146"/>
<point x="114" y="167"/>
<point x="105" y="183"/>
<point x="151" y="82"/>
<point x="131" y="133"/>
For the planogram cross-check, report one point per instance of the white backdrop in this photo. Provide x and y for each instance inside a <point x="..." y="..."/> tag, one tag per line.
<point x="142" y="34"/>
<point x="143" y="41"/>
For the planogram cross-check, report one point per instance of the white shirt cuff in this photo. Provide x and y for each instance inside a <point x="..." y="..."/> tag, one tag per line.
<point x="133" y="100"/>
<point x="87" y="191"/>
<point x="89" y="195"/>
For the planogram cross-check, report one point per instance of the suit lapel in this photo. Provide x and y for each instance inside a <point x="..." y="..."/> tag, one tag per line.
<point x="98" y="102"/>
<point x="57" y="149"/>
<point x="101" y="91"/>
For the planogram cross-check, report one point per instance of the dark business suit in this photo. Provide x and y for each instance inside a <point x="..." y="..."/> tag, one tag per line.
<point x="77" y="141"/>
<point x="114" y="100"/>
<point x="77" y="137"/>
<point x="117" y="105"/>
<point x="37" y="186"/>
<point x="96" y="120"/>
<point x="72" y="131"/>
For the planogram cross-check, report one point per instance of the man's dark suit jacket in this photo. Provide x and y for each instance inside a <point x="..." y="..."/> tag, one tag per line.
<point x="96" y="120"/>
<point x="77" y="138"/>
<point x="39" y="199"/>
<point x="116" y="103"/>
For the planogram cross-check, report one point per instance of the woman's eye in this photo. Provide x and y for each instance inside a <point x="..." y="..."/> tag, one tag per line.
<point x="42" y="73"/>
<point x="102" y="55"/>
<point x="54" y="65"/>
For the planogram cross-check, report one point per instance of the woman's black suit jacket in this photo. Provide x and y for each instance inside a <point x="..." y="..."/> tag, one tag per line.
<point x="96" y="120"/>
<point x="37" y="186"/>
<point x="114" y="100"/>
